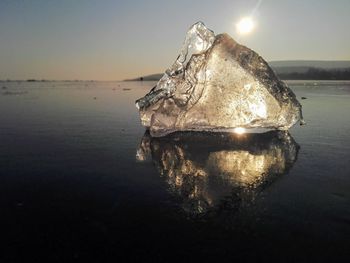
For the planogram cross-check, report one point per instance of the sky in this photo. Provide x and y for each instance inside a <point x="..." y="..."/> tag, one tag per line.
<point x="116" y="40"/>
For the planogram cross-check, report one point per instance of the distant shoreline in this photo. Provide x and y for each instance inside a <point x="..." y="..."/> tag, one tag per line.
<point x="285" y="70"/>
<point x="296" y="70"/>
<point x="309" y="74"/>
<point x="151" y="80"/>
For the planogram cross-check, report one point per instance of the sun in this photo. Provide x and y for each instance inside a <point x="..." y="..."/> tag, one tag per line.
<point x="239" y="130"/>
<point x="245" y="25"/>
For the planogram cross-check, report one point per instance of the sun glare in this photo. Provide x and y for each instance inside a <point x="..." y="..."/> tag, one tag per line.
<point x="239" y="130"/>
<point x="245" y="25"/>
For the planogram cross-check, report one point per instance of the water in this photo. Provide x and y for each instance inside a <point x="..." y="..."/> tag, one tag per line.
<point x="80" y="180"/>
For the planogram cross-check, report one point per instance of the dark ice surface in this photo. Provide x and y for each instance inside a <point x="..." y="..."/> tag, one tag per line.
<point x="72" y="189"/>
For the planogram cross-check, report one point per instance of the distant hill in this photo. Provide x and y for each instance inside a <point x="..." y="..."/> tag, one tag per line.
<point x="312" y="69"/>
<point x="326" y="64"/>
<point x="285" y="67"/>
<point x="148" y="77"/>
<point x="318" y="74"/>
<point x="296" y="69"/>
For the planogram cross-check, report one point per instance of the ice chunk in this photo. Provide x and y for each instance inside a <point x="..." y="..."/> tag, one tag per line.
<point x="198" y="40"/>
<point x="203" y="168"/>
<point x="218" y="85"/>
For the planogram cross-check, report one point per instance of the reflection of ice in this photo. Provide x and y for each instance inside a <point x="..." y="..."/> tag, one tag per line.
<point x="204" y="168"/>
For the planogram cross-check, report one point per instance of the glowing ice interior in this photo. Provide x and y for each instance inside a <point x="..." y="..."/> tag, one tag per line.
<point x="216" y="84"/>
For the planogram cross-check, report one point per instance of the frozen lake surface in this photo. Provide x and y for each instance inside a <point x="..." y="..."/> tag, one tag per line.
<point x="80" y="179"/>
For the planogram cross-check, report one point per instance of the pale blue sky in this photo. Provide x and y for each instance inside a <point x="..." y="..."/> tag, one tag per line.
<point x="111" y="40"/>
